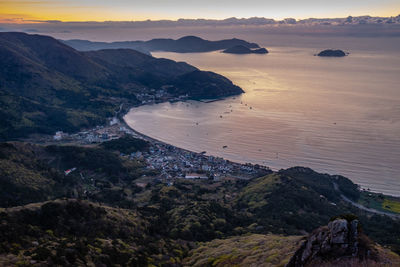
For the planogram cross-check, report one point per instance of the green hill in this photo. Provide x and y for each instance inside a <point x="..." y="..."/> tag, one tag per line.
<point x="32" y="173"/>
<point x="80" y="233"/>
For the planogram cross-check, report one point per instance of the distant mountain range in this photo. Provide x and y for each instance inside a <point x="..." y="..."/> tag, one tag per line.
<point x="366" y="19"/>
<point x="187" y="44"/>
<point x="265" y="21"/>
<point x="47" y="86"/>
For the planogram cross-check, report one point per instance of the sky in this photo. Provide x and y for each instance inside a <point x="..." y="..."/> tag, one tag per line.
<point x="136" y="10"/>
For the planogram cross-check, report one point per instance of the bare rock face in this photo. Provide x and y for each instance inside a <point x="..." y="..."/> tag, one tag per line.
<point x="339" y="231"/>
<point x="339" y="240"/>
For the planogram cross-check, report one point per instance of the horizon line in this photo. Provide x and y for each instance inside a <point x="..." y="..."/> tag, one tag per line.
<point x="22" y="20"/>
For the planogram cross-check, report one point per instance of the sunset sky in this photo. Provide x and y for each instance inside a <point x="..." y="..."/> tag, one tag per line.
<point x="127" y="10"/>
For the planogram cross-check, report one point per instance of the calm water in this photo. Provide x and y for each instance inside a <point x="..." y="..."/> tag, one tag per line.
<point x="335" y="115"/>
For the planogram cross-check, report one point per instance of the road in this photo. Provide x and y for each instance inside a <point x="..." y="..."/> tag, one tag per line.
<point x="355" y="204"/>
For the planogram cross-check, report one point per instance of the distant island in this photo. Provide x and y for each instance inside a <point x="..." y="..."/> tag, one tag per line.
<point x="241" y="49"/>
<point x="332" y="53"/>
<point x="187" y="44"/>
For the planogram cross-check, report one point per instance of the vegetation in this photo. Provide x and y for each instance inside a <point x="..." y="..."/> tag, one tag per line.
<point x="379" y="202"/>
<point x="391" y="205"/>
<point x="348" y="188"/>
<point x="159" y="223"/>
<point x="245" y="250"/>
<point x="287" y="202"/>
<point x="81" y="233"/>
<point x="31" y="173"/>
<point x="126" y="145"/>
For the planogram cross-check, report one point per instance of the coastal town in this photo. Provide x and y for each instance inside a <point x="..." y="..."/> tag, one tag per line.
<point x="168" y="161"/>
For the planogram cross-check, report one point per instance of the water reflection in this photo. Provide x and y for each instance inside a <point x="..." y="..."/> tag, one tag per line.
<point x="339" y="116"/>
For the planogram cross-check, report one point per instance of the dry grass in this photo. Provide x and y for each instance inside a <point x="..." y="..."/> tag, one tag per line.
<point x="248" y="250"/>
<point x="391" y="205"/>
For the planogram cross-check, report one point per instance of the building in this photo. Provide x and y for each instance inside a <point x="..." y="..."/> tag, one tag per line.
<point x="195" y="176"/>
<point x="58" y="136"/>
<point x="114" y="121"/>
<point x="206" y="167"/>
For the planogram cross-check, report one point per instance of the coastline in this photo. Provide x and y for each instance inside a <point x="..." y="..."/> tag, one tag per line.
<point x="344" y="198"/>
<point x="217" y="166"/>
<point x="123" y="122"/>
<point x="123" y="112"/>
<point x="187" y="116"/>
<point x="221" y="168"/>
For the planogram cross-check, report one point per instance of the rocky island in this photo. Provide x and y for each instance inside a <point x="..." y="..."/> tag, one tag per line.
<point x="241" y="49"/>
<point x="332" y="53"/>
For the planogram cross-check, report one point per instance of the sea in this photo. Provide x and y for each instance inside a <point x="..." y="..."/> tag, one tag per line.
<point x="334" y="115"/>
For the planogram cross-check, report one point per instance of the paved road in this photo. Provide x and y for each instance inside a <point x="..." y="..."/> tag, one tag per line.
<point x="394" y="216"/>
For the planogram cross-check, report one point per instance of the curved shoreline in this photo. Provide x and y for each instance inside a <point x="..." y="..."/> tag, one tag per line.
<point x="122" y="119"/>
<point x="151" y="139"/>
<point x="344" y="198"/>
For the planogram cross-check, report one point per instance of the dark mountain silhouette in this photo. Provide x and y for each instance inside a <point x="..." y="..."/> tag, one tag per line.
<point x="187" y="44"/>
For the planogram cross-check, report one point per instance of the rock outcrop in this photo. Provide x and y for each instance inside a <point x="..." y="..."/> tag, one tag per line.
<point x="340" y="240"/>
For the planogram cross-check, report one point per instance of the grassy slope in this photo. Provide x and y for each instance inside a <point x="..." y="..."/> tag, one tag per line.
<point x="246" y="250"/>
<point x="267" y="250"/>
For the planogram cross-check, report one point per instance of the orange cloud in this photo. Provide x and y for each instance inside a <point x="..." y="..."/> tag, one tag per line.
<point x="23" y="11"/>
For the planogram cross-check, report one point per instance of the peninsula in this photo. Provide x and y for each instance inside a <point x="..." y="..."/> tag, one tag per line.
<point x="241" y="49"/>
<point x="47" y="86"/>
<point x="187" y="44"/>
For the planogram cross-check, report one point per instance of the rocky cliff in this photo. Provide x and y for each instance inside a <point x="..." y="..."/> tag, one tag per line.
<point x="340" y="243"/>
